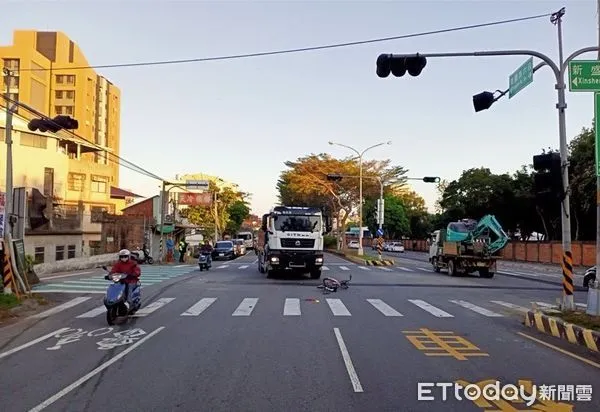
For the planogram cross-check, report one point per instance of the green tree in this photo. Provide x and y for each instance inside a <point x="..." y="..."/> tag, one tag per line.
<point x="582" y="182"/>
<point x="238" y="211"/>
<point x="396" y="223"/>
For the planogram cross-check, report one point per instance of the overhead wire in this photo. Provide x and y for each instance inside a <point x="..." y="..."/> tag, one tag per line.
<point x="120" y="160"/>
<point x="301" y="49"/>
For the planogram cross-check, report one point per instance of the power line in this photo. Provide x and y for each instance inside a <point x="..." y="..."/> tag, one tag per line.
<point x="121" y="161"/>
<point x="302" y="49"/>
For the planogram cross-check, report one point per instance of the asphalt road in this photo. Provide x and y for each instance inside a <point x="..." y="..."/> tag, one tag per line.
<point x="231" y="340"/>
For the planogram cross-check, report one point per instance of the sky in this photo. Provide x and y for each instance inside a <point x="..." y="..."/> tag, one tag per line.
<point x="242" y="119"/>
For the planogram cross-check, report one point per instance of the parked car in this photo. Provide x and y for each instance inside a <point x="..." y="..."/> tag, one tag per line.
<point x="589" y="276"/>
<point x="223" y="250"/>
<point x="353" y="244"/>
<point x="396" y="247"/>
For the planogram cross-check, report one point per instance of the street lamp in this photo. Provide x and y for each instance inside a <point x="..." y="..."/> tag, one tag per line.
<point x="360" y="195"/>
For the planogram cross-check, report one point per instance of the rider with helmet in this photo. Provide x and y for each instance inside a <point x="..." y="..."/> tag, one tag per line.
<point x="128" y="266"/>
<point x="207" y="250"/>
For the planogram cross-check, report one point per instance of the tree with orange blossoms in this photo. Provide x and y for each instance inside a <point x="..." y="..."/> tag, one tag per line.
<point x="305" y="183"/>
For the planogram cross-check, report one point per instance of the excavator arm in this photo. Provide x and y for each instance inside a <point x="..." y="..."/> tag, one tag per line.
<point x="469" y="231"/>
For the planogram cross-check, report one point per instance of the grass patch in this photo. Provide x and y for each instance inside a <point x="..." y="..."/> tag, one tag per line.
<point x="8" y="301"/>
<point x="580" y="318"/>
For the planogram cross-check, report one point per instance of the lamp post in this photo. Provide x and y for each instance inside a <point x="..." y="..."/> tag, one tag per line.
<point x="360" y="195"/>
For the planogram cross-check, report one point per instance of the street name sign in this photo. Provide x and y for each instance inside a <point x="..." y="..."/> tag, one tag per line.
<point x="197" y="184"/>
<point x="521" y="78"/>
<point x="584" y="75"/>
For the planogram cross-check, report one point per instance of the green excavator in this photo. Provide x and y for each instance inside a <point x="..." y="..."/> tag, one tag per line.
<point x="468" y="246"/>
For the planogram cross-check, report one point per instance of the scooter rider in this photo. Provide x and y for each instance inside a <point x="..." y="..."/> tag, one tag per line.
<point x="207" y="249"/>
<point x="127" y="266"/>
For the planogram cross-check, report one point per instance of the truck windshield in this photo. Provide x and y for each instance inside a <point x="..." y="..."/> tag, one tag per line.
<point x="297" y="223"/>
<point x="245" y="236"/>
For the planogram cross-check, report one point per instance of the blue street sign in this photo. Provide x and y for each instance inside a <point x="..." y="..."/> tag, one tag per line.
<point x="379" y="232"/>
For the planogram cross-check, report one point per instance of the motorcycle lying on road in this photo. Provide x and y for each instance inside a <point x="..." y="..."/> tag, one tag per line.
<point x="204" y="261"/>
<point x="142" y="256"/>
<point x="116" y="301"/>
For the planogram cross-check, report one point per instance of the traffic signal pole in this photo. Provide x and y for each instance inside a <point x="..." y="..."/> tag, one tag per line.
<point x="559" y="71"/>
<point x="8" y="200"/>
<point x="597" y="176"/>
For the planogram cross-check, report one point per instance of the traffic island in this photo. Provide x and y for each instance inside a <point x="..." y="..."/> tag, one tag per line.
<point x="576" y="327"/>
<point x="361" y="260"/>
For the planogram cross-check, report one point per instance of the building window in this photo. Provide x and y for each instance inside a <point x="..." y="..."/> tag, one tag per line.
<point x="65" y="79"/>
<point x="68" y="110"/>
<point x="60" y="253"/>
<point x="76" y="182"/>
<point x="70" y="251"/>
<point x="14" y="65"/>
<point x="97" y="212"/>
<point x="70" y="94"/>
<point x="95" y="247"/>
<point x="99" y="184"/>
<point x="38" y="255"/>
<point x="58" y="94"/>
<point x="34" y="140"/>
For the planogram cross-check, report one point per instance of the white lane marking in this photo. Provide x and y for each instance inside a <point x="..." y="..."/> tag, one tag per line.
<point x="243" y="266"/>
<point x="325" y="268"/>
<point x="42" y="278"/>
<point x="430" y="308"/>
<point x="199" y="307"/>
<point x="544" y="304"/>
<point x="477" y="309"/>
<point x="420" y="268"/>
<point x="384" y="268"/>
<point x="348" y="362"/>
<point x="383" y="307"/>
<point x="94" y="372"/>
<point x="344" y="268"/>
<point x="246" y="307"/>
<point x="93" y="313"/>
<point x="509" y="305"/>
<point x="222" y="266"/>
<point x="180" y="266"/>
<point x="31" y="343"/>
<point x="364" y="268"/>
<point x="291" y="307"/>
<point x="79" y="292"/>
<point x="157" y="304"/>
<point x="60" y="308"/>
<point x="405" y="269"/>
<point x="254" y="261"/>
<point x="337" y="307"/>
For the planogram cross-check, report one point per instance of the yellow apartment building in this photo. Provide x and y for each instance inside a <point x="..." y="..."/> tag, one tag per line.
<point x="49" y="74"/>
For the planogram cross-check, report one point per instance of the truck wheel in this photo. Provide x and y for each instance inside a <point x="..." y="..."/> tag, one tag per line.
<point x="451" y="268"/>
<point x="485" y="273"/>
<point x="434" y="263"/>
<point x="315" y="274"/>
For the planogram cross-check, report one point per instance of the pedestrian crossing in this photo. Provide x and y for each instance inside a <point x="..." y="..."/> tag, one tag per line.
<point x="294" y="306"/>
<point x="151" y="275"/>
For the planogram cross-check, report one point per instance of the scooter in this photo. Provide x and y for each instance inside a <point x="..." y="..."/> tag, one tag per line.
<point x="116" y="302"/>
<point x="142" y="256"/>
<point x="589" y="276"/>
<point x="204" y="261"/>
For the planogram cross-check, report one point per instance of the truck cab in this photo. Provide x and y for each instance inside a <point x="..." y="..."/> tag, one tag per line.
<point x="292" y="240"/>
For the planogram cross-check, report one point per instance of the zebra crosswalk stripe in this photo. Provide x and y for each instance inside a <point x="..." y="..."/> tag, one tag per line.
<point x="154" y="306"/>
<point x="199" y="307"/>
<point x="383" y="307"/>
<point x="477" y="309"/>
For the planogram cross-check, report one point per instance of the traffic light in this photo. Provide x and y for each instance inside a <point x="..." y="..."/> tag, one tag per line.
<point x="483" y="101"/>
<point x="431" y="179"/>
<point x="53" y="125"/>
<point x="548" y="179"/>
<point x="398" y="65"/>
<point x="334" y="177"/>
<point x="37" y="210"/>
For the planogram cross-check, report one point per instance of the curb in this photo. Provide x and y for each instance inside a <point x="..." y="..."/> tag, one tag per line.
<point x="560" y="329"/>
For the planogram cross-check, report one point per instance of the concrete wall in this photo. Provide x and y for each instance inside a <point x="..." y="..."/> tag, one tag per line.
<point x="74" y="264"/>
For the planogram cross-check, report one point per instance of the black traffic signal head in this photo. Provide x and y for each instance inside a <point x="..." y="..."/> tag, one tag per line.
<point x="37" y="210"/>
<point x="483" y="101"/>
<point x="431" y="179"/>
<point x="547" y="162"/>
<point x="334" y="177"/>
<point x="398" y="65"/>
<point x="53" y="125"/>
<point x="548" y="179"/>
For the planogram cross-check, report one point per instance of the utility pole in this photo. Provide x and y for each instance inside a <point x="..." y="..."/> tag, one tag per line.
<point x="8" y="196"/>
<point x="216" y="218"/>
<point x="162" y="221"/>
